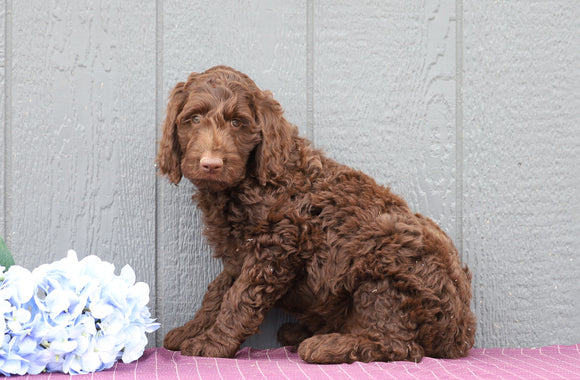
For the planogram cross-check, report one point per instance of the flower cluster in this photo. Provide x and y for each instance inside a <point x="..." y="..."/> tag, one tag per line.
<point x="71" y="316"/>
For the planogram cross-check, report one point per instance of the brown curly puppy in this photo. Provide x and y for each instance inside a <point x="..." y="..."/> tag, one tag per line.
<point x="368" y="279"/>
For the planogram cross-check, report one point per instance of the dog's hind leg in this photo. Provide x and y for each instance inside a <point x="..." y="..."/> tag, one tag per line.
<point x="376" y="330"/>
<point x="337" y="348"/>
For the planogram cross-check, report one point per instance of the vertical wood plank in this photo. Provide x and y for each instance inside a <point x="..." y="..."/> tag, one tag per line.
<point x="3" y="127"/>
<point x="384" y="98"/>
<point x="264" y="39"/>
<point x="83" y="134"/>
<point x="522" y="169"/>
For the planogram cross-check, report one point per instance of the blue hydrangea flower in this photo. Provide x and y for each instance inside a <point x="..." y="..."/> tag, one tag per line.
<point x="71" y="316"/>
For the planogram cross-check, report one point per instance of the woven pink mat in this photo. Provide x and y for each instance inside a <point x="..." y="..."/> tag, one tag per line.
<point x="553" y="362"/>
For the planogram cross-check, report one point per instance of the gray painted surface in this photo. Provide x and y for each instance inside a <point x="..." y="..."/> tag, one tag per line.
<point x="469" y="110"/>
<point x="521" y="93"/>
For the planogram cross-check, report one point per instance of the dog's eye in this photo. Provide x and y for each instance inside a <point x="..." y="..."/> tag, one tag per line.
<point x="236" y="123"/>
<point x="196" y="119"/>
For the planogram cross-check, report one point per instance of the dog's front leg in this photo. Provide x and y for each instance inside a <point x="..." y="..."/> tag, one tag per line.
<point x="260" y="284"/>
<point x="205" y="316"/>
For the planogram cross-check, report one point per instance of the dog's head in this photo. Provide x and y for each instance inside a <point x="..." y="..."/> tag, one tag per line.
<point x="219" y="126"/>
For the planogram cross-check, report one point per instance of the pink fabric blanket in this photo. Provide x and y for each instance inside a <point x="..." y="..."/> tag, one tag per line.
<point x="554" y="362"/>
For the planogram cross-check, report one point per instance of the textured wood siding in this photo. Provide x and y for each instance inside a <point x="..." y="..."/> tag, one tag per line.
<point x="521" y="93"/>
<point x="4" y="130"/>
<point x="470" y="110"/>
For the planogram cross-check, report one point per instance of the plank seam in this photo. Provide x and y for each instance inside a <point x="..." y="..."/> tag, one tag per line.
<point x="310" y="70"/>
<point x="159" y="97"/>
<point x="7" y="161"/>
<point x="459" y="127"/>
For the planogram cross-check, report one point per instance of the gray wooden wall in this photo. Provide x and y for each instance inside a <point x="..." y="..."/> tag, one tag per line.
<point x="469" y="109"/>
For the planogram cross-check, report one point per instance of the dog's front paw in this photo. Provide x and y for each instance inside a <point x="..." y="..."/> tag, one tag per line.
<point x="219" y="347"/>
<point x="175" y="338"/>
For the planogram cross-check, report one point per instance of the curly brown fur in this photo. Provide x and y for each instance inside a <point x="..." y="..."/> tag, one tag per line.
<point x="368" y="279"/>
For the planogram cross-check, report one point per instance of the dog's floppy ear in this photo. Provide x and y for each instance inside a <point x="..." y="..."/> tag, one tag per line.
<point x="169" y="154"/>
<point x="274" y="150"/>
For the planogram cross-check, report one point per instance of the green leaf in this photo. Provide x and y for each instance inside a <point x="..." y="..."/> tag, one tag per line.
<point x="6" y="259"/>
